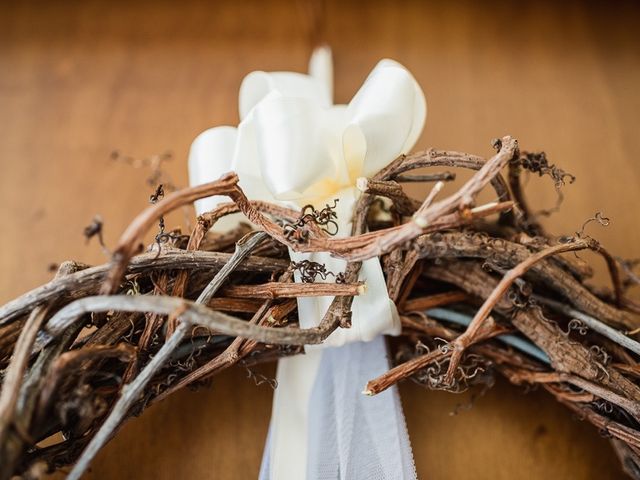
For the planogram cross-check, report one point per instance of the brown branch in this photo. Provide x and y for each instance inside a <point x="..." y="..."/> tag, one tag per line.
<point x="431" y="177"/>
<point x="630" y="406"/>
<point x="244" y="305"/>
<point x="472" y="333"/>
<point x="403" y="204"/>
<point x="432" y="301"/>
<point x="292" y="290"/>
<point x="606" y="425"/>
<point x="15" y="371"/>
<point x="407" y="369"/>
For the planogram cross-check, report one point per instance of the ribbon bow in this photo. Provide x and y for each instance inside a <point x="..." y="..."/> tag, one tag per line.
<point x="294" y="147"/>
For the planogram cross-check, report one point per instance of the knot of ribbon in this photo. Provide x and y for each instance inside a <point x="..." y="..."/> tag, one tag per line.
<point x="294" y="147"/>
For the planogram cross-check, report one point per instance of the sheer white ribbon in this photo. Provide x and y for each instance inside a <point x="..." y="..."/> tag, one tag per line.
<point x="294" y="147"/>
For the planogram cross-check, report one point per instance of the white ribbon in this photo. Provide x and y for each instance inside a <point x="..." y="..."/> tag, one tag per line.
<point x="293" y="147"/>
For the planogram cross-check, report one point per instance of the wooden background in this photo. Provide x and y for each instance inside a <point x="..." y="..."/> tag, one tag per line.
<point x="80" y="79"/>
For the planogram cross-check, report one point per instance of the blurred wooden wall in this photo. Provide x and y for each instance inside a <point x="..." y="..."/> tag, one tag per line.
<point x="80" y="79"/>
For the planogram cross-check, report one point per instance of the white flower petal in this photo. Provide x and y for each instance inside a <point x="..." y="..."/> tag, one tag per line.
<point x="210" y="157"/>
<point x="321" y="67"/>
<point x="419" y="111"/>
<point x="246" y="162"/>
<point x="257" y="85"/>
<point x="390" y="111"/>
<point x="334" y="122"/>
<point x="354" y="148"/>
<point x="292" y="146"/>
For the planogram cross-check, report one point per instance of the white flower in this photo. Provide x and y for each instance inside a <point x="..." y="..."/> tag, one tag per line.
<point x="294" y="147"/>
<point x="293" y="144"/>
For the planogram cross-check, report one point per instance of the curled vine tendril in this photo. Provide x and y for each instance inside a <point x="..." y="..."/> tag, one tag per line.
<point x="598" y="217"/>
<point x="576" y="325"/>
<point x="260" y="379"/>
<point x="325" y="218"/>
<point x="310" y="270"/>
<point x="163" y="237"/>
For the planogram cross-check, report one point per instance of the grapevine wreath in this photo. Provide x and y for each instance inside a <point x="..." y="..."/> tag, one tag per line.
<point x="481" y="289"/>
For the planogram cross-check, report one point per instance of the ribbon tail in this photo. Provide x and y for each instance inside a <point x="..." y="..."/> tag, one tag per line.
<point x="286" y="452"/>
<point x="350" y="435"/>
<point x="265" y="465"/>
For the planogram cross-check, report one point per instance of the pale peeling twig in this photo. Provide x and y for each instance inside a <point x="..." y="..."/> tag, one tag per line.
<point x="593" y="323"/>
<point x="243" y="247"/>
<point x="588" y="386"/>
<point x="194" y="314"/>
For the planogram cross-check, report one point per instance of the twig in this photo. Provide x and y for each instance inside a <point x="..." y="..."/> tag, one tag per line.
<point x="15" y="371"/>
<point x="240" y="305"/>
<point x="392" y="190"/>
<point x="557" y="377"/>
<point x="293" y="290"/>
<point x="243" y="247"/>
<point x="404" y="370"/>
<point x="596" y="325"/>
<point x="194" y="314"/>
<point x="433" y="177"/>
<point x="432" y="301"/>
<point x="472" y="332"/>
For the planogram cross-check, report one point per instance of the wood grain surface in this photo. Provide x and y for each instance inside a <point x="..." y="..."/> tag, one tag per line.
<point x="81" y="79"/>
